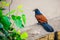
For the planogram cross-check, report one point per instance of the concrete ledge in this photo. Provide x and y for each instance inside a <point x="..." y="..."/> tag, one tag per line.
<point x="36" y="31"/>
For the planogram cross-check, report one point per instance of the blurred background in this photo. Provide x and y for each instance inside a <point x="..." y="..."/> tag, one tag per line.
<point x="50" y="8"/>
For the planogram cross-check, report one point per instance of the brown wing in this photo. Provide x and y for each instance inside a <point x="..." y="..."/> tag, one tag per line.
<point x="41" y="18"/>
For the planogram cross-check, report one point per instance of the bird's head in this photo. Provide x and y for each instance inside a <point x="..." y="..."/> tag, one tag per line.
<point x="37" y="12"/>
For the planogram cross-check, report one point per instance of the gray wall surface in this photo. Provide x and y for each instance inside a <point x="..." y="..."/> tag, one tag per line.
<point x="50" y="8"/>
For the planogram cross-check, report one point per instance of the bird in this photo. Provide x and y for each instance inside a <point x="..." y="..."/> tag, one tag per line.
<point x="42" y="20"/>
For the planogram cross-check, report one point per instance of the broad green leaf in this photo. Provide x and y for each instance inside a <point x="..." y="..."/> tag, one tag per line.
<point x="24" y="18"/>
<point x="24" y="35"/>
<point x="6" y="22"/>
<point x="18" y="21"/>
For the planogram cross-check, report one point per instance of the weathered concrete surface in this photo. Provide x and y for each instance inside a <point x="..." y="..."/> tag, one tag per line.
<point x="36" y="31"/>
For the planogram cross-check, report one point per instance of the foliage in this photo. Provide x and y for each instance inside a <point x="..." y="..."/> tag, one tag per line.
<point x="6" y="23"/>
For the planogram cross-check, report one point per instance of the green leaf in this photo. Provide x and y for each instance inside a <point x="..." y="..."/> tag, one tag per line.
<point x="14" y="30"/>
<point x="1" y="26"/>
<point x="4" y="3"/>
<point x="11" y="12"/>
<point x="18" y="38"/>
<point x="18" y="21"/>
<point x="18" y="17"/>
<point x="24" y="18"/>
<point x="18" y="32"/>
<point x="7" y="4"/>
<point x="0" y="13"/>
<point x="13" y="17"/>
<point x="24" y="35"/>
<point x="6" y="22"/>
<point x="20" y="6"/>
